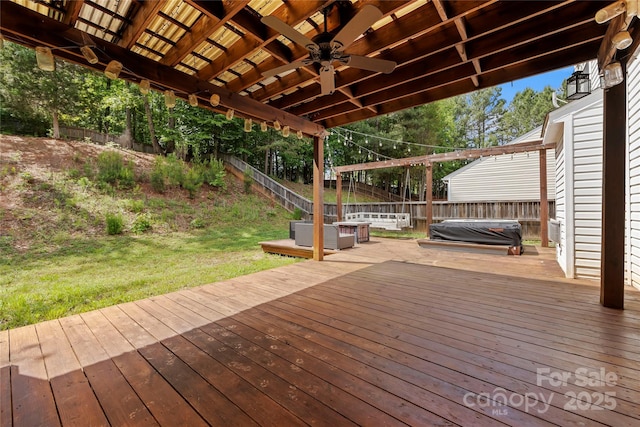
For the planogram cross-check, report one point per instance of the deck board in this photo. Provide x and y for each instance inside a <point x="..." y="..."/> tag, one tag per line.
<point x="385" y="334"/>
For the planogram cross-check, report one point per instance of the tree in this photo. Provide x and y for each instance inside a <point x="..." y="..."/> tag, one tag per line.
<point x="526" y="111"/>
<point x="477" y="117"/>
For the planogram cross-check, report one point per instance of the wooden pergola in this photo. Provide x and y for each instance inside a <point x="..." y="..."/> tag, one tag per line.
<point x="469" y="154"/>
<point x="441" y="48"/>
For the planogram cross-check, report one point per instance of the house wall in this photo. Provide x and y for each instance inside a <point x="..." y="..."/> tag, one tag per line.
<point x="561" y="209"/>
<point x="506" y="177"/>
<point x="633" y="176"/>
<point x="587" y="189"/>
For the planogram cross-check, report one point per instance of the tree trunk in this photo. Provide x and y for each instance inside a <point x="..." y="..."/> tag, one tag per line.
<point x="170" y="146"/>
<point x="152" y="130"/>
<point x="56" y="125"/>
<point x="126" y="139"/>
<point x="266" y="161"/>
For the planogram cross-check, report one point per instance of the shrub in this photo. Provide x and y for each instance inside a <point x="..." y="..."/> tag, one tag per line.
<point x="197" y="223"/>
<point x="214" y="173"/>
<point x="174" y="170"/>
<point x="113" y="170"/>
<point x="141" y="224"/>
<point x="115" y="223"/>
<point x="136" y="206"/>
<point x="157" y="177"/>
<point x="247" y="179"/>
<point x="297" y="214"/>
<point x="192" y="182"/>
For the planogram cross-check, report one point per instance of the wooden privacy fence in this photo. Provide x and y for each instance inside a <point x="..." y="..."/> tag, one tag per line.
<point x="527" y="212"/>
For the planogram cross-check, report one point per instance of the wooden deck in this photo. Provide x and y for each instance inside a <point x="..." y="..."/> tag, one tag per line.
<point x="387" y="333"/>
<point x="288" y="247"/>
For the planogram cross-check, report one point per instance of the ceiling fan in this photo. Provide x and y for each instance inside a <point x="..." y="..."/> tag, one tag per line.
<point x="325" y="49"/>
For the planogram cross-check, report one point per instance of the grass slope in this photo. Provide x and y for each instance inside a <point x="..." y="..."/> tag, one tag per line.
<point x="56" y="258"/>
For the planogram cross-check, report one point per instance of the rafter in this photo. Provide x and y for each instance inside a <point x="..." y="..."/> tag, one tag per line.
<point x="72" y="11"/>
<point x="202" y="29"/>
<point x="139" y="22"/>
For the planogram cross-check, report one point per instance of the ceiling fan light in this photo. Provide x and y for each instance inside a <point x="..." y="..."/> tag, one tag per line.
<point x="89" y="55"/>
<point x="145" y="85"/>
<point x="230" y="114"/>
<point x="276" y="125"/>
<point x="45" y="59"/>
<point x="214" y="100"/>
<point x="285" y="131"/>
<point x="622" y="40"/>
<point x="169" y="98"/>
<point x="263" y="126"/>
<point x="113" y="69"/>
<point x="193" y="100"/>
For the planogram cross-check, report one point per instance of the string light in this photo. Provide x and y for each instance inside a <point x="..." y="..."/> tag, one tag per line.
<point x="193" y="100"/>
<point x="113" y="69"/>
<point x="276" y="125"/>
<point x="230" y="114"/>
<point x="169" y="98"/>
<point x="145" y="85"/>
<point x="247" y="125"/>
<point x="263" y="126"/>
<point x="285" y="131"/>
<point x="89" y="55"/>
<point x="45" y="60"/>
<point x="299" y="133"/>
<point x="214" y="100"/>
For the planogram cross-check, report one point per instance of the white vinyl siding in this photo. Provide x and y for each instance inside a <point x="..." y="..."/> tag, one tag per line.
<point x="633" y="203"/>
<point x="587" y="189"/>
<point x="561" y="205"/>
<point x="503" y="178"/>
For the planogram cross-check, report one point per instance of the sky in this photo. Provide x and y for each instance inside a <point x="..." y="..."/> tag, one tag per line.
<point x="537" y="83"/>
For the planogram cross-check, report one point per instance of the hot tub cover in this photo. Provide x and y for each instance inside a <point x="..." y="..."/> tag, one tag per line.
<point x="488" y="232"/>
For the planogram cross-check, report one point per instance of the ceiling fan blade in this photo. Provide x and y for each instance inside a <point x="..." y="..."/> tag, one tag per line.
<point x="289" y="32"/>
<point x="327" y="80"/>
<point x="283" y="68"/>
<point x="360" y="23"/>
<point x="371" y="64"/>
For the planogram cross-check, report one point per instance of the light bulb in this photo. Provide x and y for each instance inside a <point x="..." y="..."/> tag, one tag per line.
<point x="193" y="100"/>
<point x="145" y="85"/>
<point x="299" y="133"/>
<point x="276" y="125"/>
<point x="285" y="131"/>
<point x="113" y="69"/>
<point x="230" y="113"/>
<point x="45" y="60"/>
<point x="214" y="100"/>
<point x="247" y="125"/>
<point x="89" y="55"/>
<point x="263" y="126"/>
<point x="169" y="98"/>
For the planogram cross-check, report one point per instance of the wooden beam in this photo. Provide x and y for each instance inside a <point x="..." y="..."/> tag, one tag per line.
<point x="72" y="11"/>
<point x="33" y="29"/>
<point x="613" y="196"/>
<point x="468" y="154"/>
<point x="318" y="199"/>
<point x="201" y="30"/>
<point x="339" y="196"/>
<point x="140" y="21"/>
<point x="429" y="195"/>
<point x="607" y="49"/>
<point x="544" y="203"/>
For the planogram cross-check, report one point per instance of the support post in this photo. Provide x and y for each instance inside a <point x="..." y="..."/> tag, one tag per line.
<point x="318" y="199"/>
<point x="429" y="195"/>
<point x="339" y="195"/>
<point x="613" y="196"/>
<point x="544" y="203"/>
